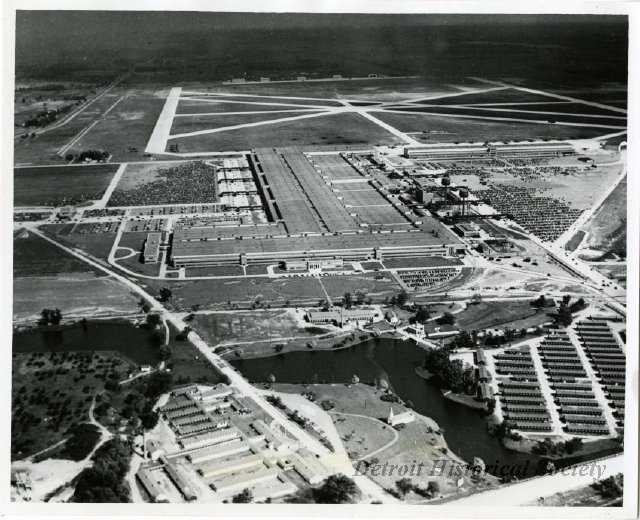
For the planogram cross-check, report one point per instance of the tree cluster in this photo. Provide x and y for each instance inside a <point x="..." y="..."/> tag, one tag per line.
<point x="104" y="481"/>
<point x="50" y="316"/>
<point x="449" y="374"/>
<point x="548" y="447"/>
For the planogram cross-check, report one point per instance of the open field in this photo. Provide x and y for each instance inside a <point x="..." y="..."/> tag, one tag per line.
<point x="375" y="285"/>
<point x="497" y="115"/>
<point x="324" y="130"/>
<point x="505" y="314"/>
<point x="225" y="328"/>
<point x="607" y="228"/>
<point x="80" y="236"/>
<point x="33" y="256"/>
<point x="216" y="293"/>
<point x="418" y="442"/>
<point x="52" y="392"/>
<point x="388" y="89"/>
<point x="125" y="130"/>
<point x="196" y="123"/>
<point x="223" y="105"/>
<point x="450" y="129"/>
<point x="75" y="294"/>
<point x="57" y="186"/>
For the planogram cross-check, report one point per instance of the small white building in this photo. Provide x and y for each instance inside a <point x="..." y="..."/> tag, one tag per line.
<point x="416" y="330"/>
<point x="392" y="317"/>
<point x="401" y="418"/>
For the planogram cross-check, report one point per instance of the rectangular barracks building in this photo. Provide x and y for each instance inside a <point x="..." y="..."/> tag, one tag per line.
<point x="194" y="249"/>
<point x="470" y="151"/>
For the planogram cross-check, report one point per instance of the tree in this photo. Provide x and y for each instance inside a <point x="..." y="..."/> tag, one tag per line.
<point x="433" y="488"/>
<point x="153" y="320"/>
<point x="539" y="302"/>
<point x="477" y="298"/>
<point x="243" y="498"/>
<point x="145" y="305"/>
<point x="404" y="485"/>
<point x="572" y="445"/>
<point x="422" y="314"/>
<point x="462" y="341"/>
<point x="566" y="299"/>
<point x="564" y="316"/>
<point x="336" y="489"/>
<point x="360" y="296"/>
<point x="446" y="319"/>
<point x="347" y="300"/>
<point x="165" y="294"/>
<point x="401" y="298"/>
<point x="164" y="353"/>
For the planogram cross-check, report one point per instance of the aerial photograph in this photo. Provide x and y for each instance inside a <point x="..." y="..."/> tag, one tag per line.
<point x="298" y="258"/>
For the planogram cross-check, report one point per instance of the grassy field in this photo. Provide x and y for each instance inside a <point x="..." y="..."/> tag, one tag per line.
<point x="418" y="442"/>
<point x="420" y="261"/>
<point x="529" y="116"/>
<point x="573" y="244"/>
<point x="196" y="123"/>
<point x="33" y="256"/>
<point x="333" y="129"/>
<point x="96" y="244"/>
<point x="376" y="288"/>
<point x="250" y="326"/>
<point x="53" y="392"/>
<point x="125" y="131"/>
<point x="57" y="186"/>
<point x="512" y="314"/>
<point x="451" y="129"/>
<point x="75" y="294"/>
<point x="607" y="227"/>
<point x="217" y="293"/>
<point x="365" y="90"/>
<point x="187" y="363"/>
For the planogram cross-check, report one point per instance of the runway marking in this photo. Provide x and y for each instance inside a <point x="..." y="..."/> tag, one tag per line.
<point x="551" y="94"/>
<point x="248" y="125"/>
<point x="246" y="113"/>
<point x="535" y="121"/>
<point x="262" y="103"/>
<point x="158" y="140"/>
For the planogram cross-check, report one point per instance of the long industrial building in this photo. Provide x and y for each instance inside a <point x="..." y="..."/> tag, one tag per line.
<point x="473" y="151"/>
<point x="319" y="209"/>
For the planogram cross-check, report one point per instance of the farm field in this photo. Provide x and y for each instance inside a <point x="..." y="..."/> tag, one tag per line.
<point x="58" y="186"/>
<point x="324" y="130"/>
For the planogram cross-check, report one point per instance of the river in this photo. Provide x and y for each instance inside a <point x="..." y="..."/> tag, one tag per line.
<point x="465" y="429"/>
<point x="135" y="343"/>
